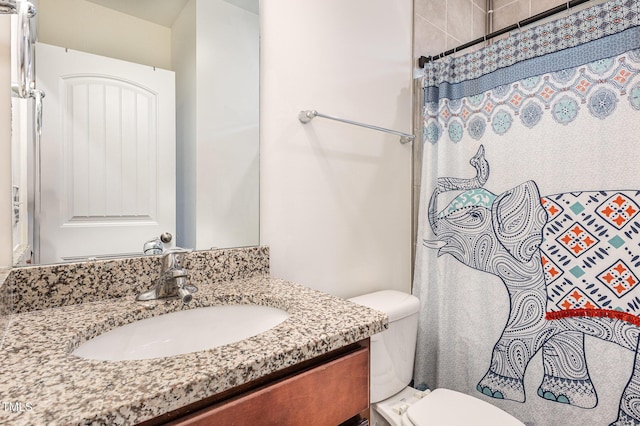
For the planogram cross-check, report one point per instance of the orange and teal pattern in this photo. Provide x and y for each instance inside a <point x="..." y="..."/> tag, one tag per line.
<point x="591" y="255"/>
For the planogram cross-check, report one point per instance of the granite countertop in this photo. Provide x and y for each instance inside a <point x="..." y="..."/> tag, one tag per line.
<point x="42" y="383"/>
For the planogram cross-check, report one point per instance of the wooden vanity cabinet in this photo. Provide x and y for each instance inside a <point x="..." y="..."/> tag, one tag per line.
<point x="327" y="391"/>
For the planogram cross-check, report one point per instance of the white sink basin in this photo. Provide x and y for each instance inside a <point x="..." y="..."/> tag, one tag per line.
<point x="182" y="332"/>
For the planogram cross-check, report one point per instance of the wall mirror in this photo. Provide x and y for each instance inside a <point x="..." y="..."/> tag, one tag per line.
<point x="149" y="125"/>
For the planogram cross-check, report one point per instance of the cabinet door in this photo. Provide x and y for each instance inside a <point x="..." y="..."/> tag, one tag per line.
<point x="328" y="394"/>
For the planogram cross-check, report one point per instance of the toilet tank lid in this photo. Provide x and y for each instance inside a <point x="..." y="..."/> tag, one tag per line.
<point x="396" y="304"/>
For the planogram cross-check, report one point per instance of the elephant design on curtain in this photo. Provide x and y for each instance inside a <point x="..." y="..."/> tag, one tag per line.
<point x="569" y="263"/>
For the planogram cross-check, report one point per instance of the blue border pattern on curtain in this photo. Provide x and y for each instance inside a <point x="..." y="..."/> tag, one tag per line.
<point x="484" y="78"/>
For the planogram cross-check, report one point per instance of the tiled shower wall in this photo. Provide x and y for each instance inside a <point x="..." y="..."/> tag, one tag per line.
<point x="441" y="25"/>
<point x="507" y="12"/>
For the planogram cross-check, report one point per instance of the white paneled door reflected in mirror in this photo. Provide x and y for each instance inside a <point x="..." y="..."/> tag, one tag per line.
<point x="150" y="125"/>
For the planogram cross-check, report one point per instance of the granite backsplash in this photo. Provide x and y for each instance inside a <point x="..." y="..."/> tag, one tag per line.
<point x="48" y="286"/>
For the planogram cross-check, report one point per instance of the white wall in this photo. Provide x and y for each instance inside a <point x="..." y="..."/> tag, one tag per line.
<point x="88" y="27"/>
<point x="336" y="199"/>
<point x="6" y="249"/>
<point x="228" y="145"/>
<point x="218" y="146"/>
<point x="183" y="46"/>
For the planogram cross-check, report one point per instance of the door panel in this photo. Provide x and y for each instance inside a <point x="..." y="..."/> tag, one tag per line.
<point x="108" y="154"/>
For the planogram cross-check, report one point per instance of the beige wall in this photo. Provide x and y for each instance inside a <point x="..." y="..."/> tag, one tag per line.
<point x="88" y="27"/>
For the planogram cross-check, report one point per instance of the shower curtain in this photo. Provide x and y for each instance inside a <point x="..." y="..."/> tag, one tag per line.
<point x="528" y="251"/>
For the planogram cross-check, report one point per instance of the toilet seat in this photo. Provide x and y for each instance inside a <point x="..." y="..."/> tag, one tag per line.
<point x="448" y="407"/>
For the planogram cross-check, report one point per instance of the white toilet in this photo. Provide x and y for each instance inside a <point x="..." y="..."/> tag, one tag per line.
<point x="392" y="355"/>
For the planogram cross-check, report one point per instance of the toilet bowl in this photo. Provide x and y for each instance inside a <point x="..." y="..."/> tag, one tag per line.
<point x="393" y="402"/>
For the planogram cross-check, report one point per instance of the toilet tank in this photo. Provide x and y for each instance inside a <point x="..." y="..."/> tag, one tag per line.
<point x="393" y="350"/>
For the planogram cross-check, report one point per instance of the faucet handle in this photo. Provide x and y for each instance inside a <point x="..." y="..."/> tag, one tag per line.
<point x="173" y="257"/>
<point x="177" y="250"/>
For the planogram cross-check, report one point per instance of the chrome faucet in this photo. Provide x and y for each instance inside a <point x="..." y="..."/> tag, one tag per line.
<point x="152" y="247"/>
<point x="173" y="280"/>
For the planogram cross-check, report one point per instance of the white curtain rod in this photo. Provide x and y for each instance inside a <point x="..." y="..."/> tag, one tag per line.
<point x="308" y="115"/>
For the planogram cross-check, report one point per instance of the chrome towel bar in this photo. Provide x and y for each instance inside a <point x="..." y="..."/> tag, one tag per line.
<point x="307" y="116"/>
